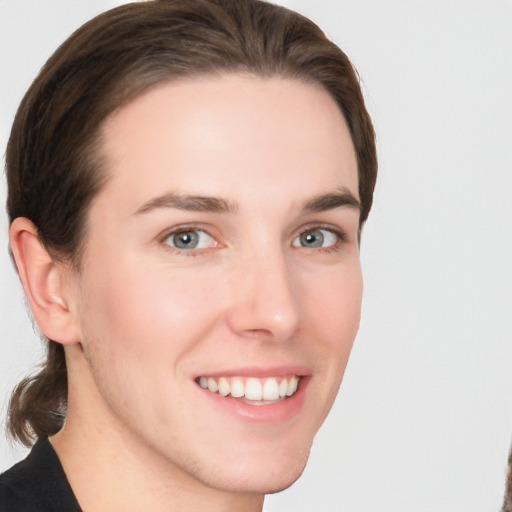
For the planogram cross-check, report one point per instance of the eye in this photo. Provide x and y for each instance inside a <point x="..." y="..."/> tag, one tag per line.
<point x="190" y="239"/>
<point x="316" y="238"/>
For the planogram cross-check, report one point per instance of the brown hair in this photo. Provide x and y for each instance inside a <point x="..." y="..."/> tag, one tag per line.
<point x="54" y="167"/>
<point x="507" y="499"/>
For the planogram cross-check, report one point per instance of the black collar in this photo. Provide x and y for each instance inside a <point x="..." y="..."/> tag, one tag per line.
<point x="37" y="484"/>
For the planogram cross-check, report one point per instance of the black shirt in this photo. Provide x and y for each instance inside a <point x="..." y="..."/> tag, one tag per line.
<point x="37" y="484"/>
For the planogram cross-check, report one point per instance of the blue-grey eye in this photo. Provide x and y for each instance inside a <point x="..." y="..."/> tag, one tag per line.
<point x="316" y="238"/>
<point x="190" y="239"/>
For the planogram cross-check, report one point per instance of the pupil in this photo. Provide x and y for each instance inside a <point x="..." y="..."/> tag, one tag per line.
<point x="312" y="238"/>
<point x="186" y="240"/>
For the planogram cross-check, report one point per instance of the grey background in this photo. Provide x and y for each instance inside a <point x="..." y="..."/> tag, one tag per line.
<point x="423" y="421"/>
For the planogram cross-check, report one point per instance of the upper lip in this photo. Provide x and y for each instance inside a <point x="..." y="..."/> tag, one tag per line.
<point x="260" y="371"/>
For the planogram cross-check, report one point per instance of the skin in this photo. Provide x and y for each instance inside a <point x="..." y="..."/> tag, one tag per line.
<point x="143" y="319"/>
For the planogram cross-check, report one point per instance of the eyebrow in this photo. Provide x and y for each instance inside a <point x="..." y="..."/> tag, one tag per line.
<point x="193" y="203"/>
<point x="331" y="201"/>
<point x="189" y="203"/>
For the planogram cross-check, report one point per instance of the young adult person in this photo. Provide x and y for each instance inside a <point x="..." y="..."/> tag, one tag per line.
<point x="187" y="183"/>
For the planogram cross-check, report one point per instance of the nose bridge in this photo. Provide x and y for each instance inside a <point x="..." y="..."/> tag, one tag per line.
<point x="266" y="302"/>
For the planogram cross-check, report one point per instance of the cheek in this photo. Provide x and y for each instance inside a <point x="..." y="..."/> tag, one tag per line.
<point x="335" y="314"/>
<point x="335" y="306"/>
<point x="139" y="327"/>
<point x="132" y="308"/>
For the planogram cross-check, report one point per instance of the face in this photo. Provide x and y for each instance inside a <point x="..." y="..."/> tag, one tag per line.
<point x="220" y="290"/>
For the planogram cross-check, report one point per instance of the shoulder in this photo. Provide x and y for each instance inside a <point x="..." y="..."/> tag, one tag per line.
<point x="37" y="484"/>
<point x="18" y="485"/>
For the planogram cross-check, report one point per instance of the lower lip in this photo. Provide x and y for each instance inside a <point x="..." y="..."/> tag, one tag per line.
<point x="278" y="412"/>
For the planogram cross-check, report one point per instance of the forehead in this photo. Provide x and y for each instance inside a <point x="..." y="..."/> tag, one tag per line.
<point x="233" y="131"/>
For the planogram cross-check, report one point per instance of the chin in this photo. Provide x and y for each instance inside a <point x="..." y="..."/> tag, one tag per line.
<point x="278" y="485"/>
<point x="259" y="476"/>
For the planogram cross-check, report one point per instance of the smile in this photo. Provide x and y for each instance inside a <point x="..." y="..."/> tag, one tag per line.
<point x="251" y="390"/>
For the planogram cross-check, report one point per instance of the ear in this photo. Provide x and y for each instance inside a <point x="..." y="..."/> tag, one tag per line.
<point x="43" y="280"/>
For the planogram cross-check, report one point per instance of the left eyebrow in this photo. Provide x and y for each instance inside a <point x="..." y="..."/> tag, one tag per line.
<point x="331" y="201"/>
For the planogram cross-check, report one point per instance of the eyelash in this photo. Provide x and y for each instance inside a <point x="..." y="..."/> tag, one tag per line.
<point x="340" y="235"/>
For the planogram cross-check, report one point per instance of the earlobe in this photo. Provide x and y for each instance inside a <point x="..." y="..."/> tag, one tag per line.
<point x="44" y="284"/>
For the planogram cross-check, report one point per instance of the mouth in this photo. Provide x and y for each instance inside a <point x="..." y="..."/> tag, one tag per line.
<point x="252" y="390"/>
<point x="267" y="396"/>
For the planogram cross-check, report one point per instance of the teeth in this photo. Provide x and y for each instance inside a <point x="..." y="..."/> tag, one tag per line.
<point x="253" y="389"/>
<point x="270" y="390"/>
<point x="223" y="387"/>
<point x="237" y="388"/>
<point x="283" y="387"/>
<point x="213" y="386"/>
<point x="292" y="386"/>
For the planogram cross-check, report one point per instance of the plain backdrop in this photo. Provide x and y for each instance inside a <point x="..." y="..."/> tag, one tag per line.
<point x="423" y="421"/>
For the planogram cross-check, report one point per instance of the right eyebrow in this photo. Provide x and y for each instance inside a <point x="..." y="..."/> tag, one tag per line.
<point x="189" y="203"/>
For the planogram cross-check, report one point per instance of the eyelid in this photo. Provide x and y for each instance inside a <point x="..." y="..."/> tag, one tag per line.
<point x="310" y="226"/>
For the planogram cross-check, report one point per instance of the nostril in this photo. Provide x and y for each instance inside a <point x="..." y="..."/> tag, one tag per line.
<point x="259" y="333"/>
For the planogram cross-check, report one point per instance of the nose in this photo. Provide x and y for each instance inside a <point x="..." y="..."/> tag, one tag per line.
<point x="265" y="301"/>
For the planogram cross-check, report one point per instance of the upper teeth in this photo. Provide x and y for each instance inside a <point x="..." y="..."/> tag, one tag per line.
<point x="251" y="388"/>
